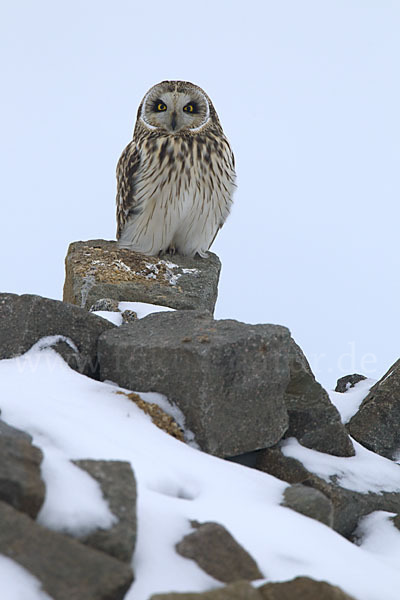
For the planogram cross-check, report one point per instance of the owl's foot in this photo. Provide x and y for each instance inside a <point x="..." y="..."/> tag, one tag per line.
<point x="171" y="250"/>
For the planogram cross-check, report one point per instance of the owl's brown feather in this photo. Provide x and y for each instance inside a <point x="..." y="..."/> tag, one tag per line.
<point x="174" y="188"/>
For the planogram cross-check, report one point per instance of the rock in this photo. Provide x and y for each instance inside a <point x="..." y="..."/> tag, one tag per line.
<point x="99" y="269"/>
<point x="376" y="425"/>
<point x="67" y="569"/>
<point x="21" y="484"/>
<point x="241" y="590"/>
<point x="26" y="319"/>
<point x="214" y="549"/>
<point x="105" y="304"/>
<point x="228" y="378"/>
<point x="313" y="419"/>
<point x="302" y="588"/>
<point x="347" y="382"/>
<point x="310" y="502"/>
<point x="348" y="506"/>
<point x="118" y="485"/>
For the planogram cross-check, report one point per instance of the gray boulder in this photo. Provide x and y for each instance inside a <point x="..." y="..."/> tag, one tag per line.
<point x="26" y="319"/>
<point x="310" y="502"/>
<point x="348" y="506"/>
<point x="313" y="419"/>
<point x="214" y="549"/>
<point x="228" y="378"/>
<point x="99" y="269"/>
<point x="21" y="484"/>
<point x="376" y="425"/>
<point x="67" y="569"/>
<point x="118" y="485"/>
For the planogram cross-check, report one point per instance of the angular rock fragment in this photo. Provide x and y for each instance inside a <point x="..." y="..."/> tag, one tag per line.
<point x="214" y="549"/>
<point x="228" y="378"/>
<point x="99" y="269"/>
<point x="313" y="419"/>
<point x="348" y="506"/>
<point x="26" y="319"/>
<point x="348" y="381"/>
<point x="118" y="485"/>
<point x="310" y="502"/>
<point x="21" y="484"/>
<point x="67" y="569"/>
<point x="302" y="588"/>
<point x="376" y="425"/>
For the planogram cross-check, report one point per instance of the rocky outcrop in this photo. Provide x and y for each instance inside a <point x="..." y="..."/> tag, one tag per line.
<point x="66" y="569"/>
<point x="348" y="506"/>
<point x="241" y="387"/>
<point x="99" y="269"/>
<point x="118" y="485"/>
<point x="376" y="424"/>
<point x="301" y="588"/>
<point x="214" y="549"/>
<point x="228" y="378"/>
<point x="21" y="484"/>
<point x="26" y="319"/>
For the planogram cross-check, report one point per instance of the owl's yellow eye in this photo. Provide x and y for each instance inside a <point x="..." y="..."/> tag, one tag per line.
<point x="161" y="106"/>
<point x="188" y="108"/>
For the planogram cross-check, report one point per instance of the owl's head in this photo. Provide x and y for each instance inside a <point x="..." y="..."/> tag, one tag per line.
<point x="176" y="107"/>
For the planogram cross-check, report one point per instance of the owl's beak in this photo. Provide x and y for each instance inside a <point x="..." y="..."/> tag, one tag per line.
<point x="173" y="121"/>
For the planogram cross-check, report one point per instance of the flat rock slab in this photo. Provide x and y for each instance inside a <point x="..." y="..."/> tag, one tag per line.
<point x="118" y="485"/>
<point x="214" y="549"/>
<point x="66" y="569"/>
<point x="26" y="319"/>
<point x="21" y="484"/>
<point x="348" y="506"/>
<point x="228" y="378"/>
<point x="376" y="424"/>
<point x="99" y="269"/>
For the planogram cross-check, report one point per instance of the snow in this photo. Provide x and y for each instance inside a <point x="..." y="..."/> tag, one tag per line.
<point x="17" y="583"/>
<point x="71" y="416"/>
<point x="377" y="534"/>
<point x="114" y="317"/>
<point x="349" y="402"/>
<point x="365" y="472"/>
<point x="142" y="309"/>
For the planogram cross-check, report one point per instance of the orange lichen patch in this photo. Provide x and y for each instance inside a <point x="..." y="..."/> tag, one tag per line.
<point x="117" y="265"/>
<point x="158" y="416"/>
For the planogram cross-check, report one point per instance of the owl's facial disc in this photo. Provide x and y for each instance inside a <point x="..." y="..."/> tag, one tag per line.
<point x="174" y="111"/>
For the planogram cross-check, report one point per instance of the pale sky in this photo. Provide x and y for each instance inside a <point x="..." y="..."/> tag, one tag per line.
<point x="308" y="93"/>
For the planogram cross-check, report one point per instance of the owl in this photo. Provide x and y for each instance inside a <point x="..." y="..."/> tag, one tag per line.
<point x="176" y="178"/>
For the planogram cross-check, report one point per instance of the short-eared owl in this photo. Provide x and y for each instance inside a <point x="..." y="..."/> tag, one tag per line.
<point x="176" y="178"/>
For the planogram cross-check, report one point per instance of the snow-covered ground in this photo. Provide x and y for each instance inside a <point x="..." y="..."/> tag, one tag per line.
<point x="71" y="416"/>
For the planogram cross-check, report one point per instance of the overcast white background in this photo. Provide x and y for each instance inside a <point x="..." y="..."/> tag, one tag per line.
<point x="308" y="92"/>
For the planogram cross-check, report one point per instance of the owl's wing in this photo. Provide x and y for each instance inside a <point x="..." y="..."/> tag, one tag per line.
<point x="127" y="172"/>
